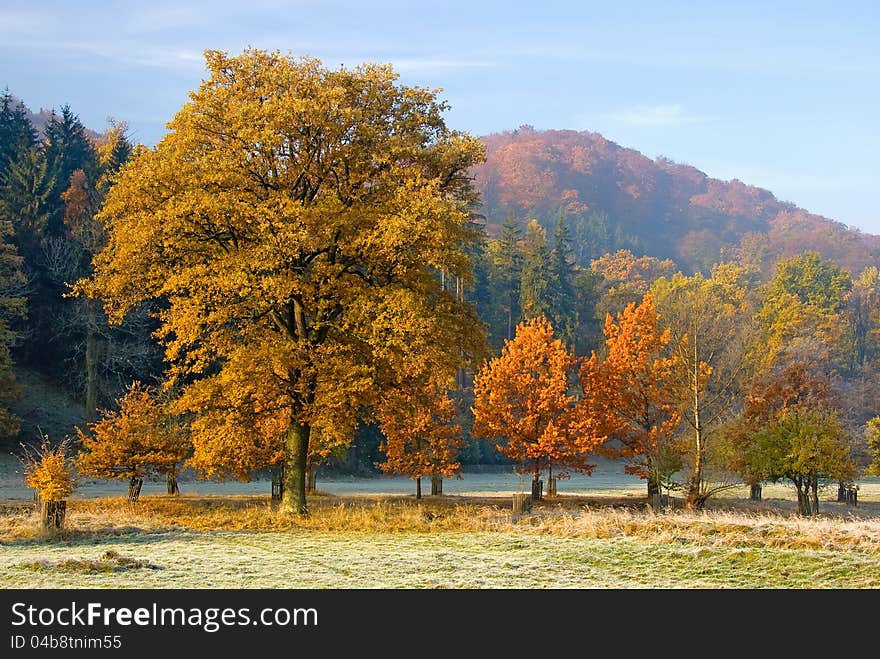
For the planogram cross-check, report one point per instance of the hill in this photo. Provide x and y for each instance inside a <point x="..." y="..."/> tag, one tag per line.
<point x="621" y="197"/>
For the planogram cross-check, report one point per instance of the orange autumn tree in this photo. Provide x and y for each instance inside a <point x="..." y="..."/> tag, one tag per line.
<point x="140" y="439"/>
<point x="421" y="436"/>
<point x="523" y="401"/>
<point x="631" y="394"/>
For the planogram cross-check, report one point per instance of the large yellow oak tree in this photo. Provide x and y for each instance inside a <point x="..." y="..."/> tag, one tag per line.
<point x="293" y="222"/>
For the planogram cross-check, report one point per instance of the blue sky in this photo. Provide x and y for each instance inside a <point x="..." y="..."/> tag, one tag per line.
<point x="783" y="95"/>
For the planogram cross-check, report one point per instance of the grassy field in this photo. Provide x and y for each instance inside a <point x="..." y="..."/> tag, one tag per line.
<point x="453" y="542"/>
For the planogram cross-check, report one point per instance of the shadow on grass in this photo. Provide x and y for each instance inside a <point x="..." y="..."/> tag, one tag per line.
<point x="132" y="536"/>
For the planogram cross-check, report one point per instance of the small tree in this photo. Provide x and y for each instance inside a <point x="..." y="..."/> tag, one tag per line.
<point x="806" y="447"/>
<point x="633" y="395"/>
<point x="421" y="438"/>
<point x="138" y="440"/>
<point x="712" y="336"/>
<point x="522" y="400"/>
<point x="790" y="430"/>
<point x="50" y="472"/>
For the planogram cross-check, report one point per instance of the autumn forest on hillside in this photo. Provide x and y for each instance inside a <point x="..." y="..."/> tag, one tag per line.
<point x="312" y="273"/>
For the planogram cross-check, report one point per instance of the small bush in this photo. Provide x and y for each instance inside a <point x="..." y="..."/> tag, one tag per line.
<point x="49" y="471"/>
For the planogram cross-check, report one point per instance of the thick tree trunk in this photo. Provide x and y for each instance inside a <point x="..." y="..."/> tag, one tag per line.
<point x="296" y="452"/>
<point x="418" y="487"/>
<point x="841" y="492"/>
<point x="653" y="487"/>
<point x="756" y="492"/>
<point x="52" y="515"/>
<point x="814" y="486"/>
<point x="171" y="485"/>
<point x="436" y="486"/>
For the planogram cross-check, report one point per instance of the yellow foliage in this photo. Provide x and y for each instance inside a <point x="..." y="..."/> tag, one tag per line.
<point x="50" y="472"/>
<point x="142" y="437"/>
<point x="293" y="221"/>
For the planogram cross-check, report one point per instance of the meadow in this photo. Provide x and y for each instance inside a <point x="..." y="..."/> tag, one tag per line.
<point x="610" y="540"/>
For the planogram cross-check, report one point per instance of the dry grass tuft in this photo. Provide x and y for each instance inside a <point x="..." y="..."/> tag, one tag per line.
<point x="110" y="561"/>
<point x="714" y="528"/>
<point x="717" y="529"/>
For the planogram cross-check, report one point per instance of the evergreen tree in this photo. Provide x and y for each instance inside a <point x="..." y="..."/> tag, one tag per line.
<point x="66" y="149"/>
<point x="26" y="201"/>
<point x="562" y="298"/>
<point x="591" y="236"/>
<point x="12" y="307"/>
<point x="507" y="263"/>
<point x="16" y="132"/>
<point x="538" y="284"/>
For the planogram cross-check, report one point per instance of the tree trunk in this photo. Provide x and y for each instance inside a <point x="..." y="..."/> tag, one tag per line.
<point x="134" y="488"/>
<point x="551" y="480"/>
<point x="537" y="484"/>
<point x="296" y="452"/>
<point x="171" y="485"/>
<point x="814" y="486"/>
<point x="694" y="500"/>
<point x="436" y="486"/>
<point x="91" y="369"/>
<point x="756" y="492"/>
<point x="311" y="478"/>
<point x="841" y="492"/>
<point x="418" y="487"/>
<point x="278" y="483"/>
<point x="803" y="495"/>
<point x="653" y="487"/>
<point x="52" y="515"/>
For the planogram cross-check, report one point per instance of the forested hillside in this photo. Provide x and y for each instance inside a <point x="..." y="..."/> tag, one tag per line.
<point x="614" y="197"/>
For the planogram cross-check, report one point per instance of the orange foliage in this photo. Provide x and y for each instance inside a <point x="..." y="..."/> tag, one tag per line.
<point x="630" y="394"/>
<point x="624" y="267"/>
<point x="139" y="439"/>
<point x="421" y="438"/>
<point x="535" y="173"/>
<point x="522" y="399"/>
